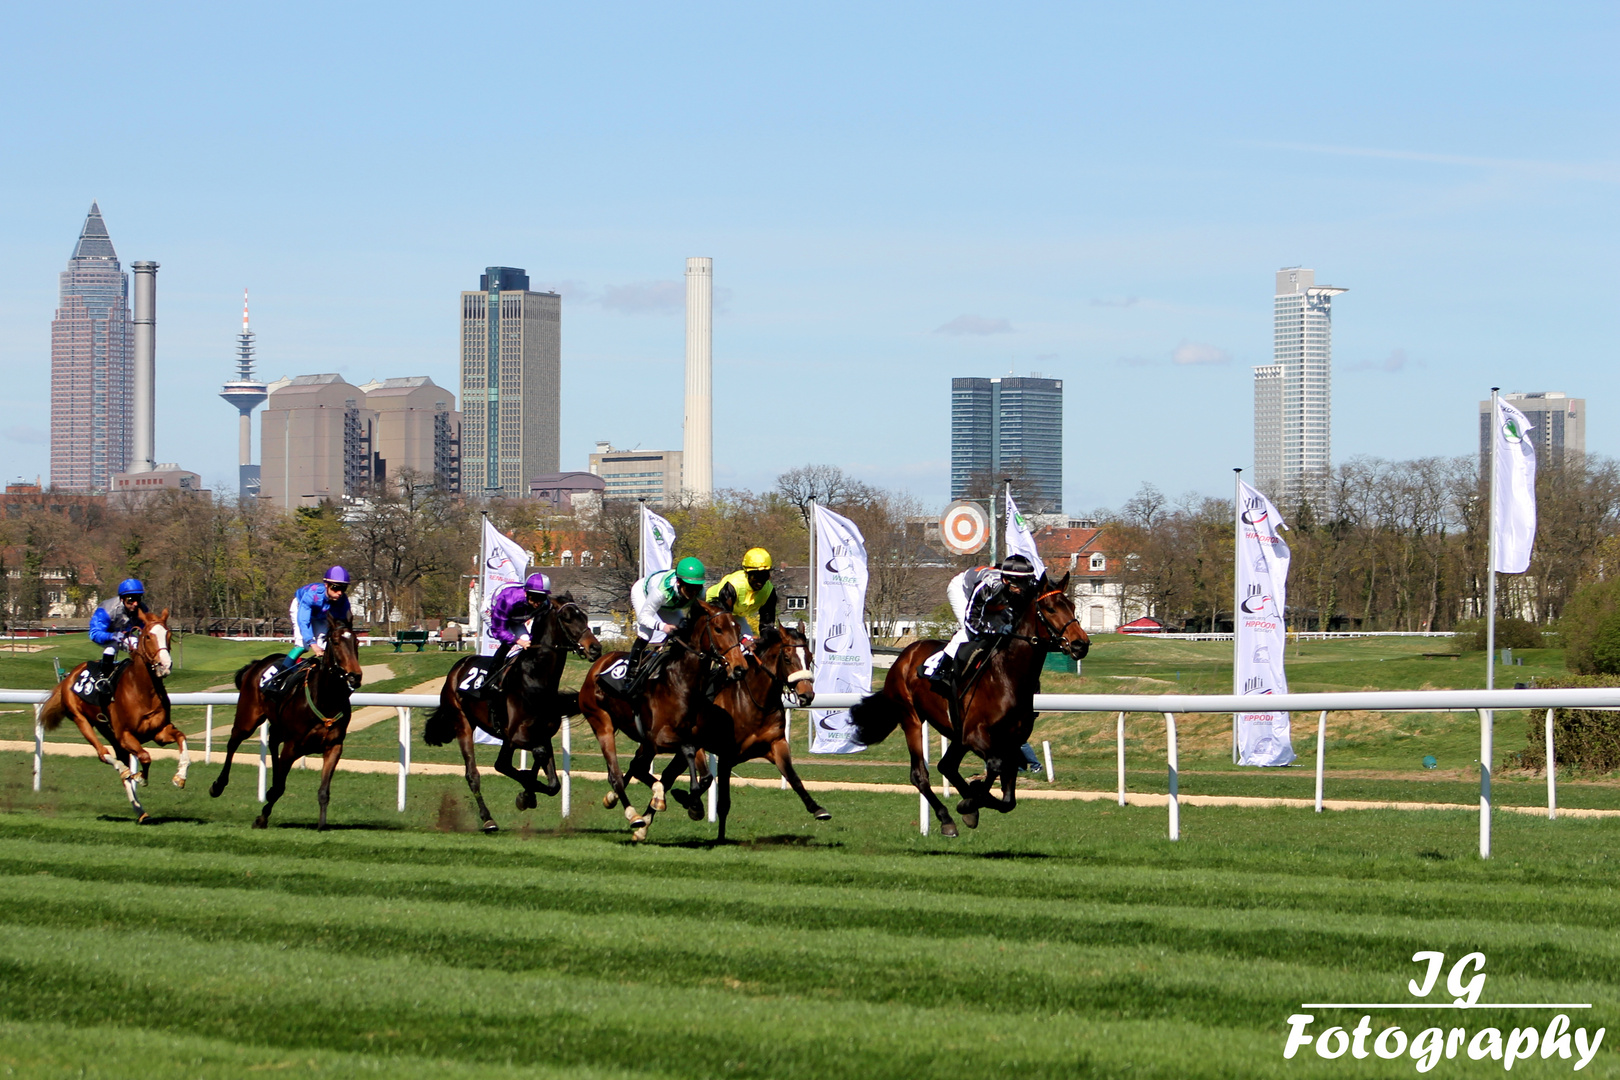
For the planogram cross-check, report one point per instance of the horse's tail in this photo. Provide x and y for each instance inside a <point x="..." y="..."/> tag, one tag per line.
<point x="875" y="717"/>
<point x="568" y="703"/>
<point x="55" y="707"/>
<point x="237" y="678"/>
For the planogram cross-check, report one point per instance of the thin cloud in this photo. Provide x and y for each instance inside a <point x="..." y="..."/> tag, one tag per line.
<point x="31" y="436"/>
<point x="975" y="324"/>
<point x="1129" y="301"/>
<point x="1395" y="362"/>
<point x="568" y="288"/>
<point x="644" y="297"/>
<point x="1607" y="171"/>
<point x="1195" y="352"/>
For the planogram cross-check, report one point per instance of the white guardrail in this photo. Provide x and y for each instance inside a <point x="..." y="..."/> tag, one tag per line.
<point x="1485" y="702"/>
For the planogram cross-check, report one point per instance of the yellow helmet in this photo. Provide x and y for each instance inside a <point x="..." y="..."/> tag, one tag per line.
<point x="757" y="559"/>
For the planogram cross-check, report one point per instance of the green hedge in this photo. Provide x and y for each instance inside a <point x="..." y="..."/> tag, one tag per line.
<point x="1583" y="739"/>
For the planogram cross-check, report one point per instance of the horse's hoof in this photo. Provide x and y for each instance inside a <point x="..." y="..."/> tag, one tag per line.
<point x="179" y="781"/>
<point x="823" y="815"/>
<point x="694" y="810"/>
<point x="491" y="827"/>
<point x="216" y="789"/>
<point x="610" y="800"/>
<point x="970" y="818"/>
<point x="659" y="804"/>
<point x="631" y="816"/>
<point x="639" y="825"/>
<point x="260" y="823"/>
<point x="639" y="835"/>
<point x="948" y="829"/>
<point x="526" y="800"/>
<point x="143" y="819"/>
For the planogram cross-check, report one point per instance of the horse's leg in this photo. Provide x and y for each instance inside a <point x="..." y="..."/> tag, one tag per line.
<point x="692" y="797"/>
<point x="504" y="766"/>
<point x="131" y="745"/>
<point x="950" y="767"/>
<point x="722" y="798"/>
<point x="1009" y="784"/>
<point x="172" y="734"/>
<point x="607" y="738"/>
<point x="782" y="758"/>
<point x="638" y="770"/>
<point x="544" y="758"/>
<point x="286" y="754"/>
<point x="323" y="795"/>
<point x="464" y="739"/>
<point x="914" y="725"/>
<point x="239" y="732"/>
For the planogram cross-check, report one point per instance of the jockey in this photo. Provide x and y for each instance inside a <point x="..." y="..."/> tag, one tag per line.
<point x="313" y="608"/>
<point x="985" y="600"/>
<point x="756" y="594"/>
<point x="509" y="614"/>
<point x="660" y="601"/>
<point x="115" y="625"/>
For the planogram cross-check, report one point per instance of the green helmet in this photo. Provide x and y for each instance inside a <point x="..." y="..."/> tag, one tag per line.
<point x="690" y="570"/>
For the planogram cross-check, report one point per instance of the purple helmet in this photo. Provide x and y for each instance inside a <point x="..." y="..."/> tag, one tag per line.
<point x="336" y="576"/>
<point x="538" y="583"/>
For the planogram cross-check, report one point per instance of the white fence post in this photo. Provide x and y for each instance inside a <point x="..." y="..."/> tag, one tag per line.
<point x="1487" y="720"/>
<point x="1321" y="754"/>
<point x="1046" y="748"/>
<point x="714" y="791"/>
<point x="1175" y="802"/>
<point x="404" y="751"/>
<point x="922" y="800"/>
<point x="208" y="737"/>
<point x="39" y="747"/>
<point x="1552" y="782"/>
<point x="787" y="737"/>
<point x="1119" y="737"/>
<point x="944" y="744"/>
<point x="264" y="755"/>
<point x="567" y="768"/>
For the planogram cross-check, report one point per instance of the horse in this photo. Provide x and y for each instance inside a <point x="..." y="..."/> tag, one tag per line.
<point x="709" y="636"/>
<point x="308" y="715"/>
<point x="996" y="703"/>
<point x="748" y="720"/>
<point x="137" y="714"/>
<point x="529" y="713"/>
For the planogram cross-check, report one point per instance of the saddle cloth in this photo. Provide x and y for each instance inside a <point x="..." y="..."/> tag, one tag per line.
<point x="85" y="686"/>
<point x="653" y="662"/>
<point x="474" y="676"/>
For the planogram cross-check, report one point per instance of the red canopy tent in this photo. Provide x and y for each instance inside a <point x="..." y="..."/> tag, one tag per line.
<point x="1144" y="626"/>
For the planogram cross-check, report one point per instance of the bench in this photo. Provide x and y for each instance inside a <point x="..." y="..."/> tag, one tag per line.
<point x="419" y="638"/>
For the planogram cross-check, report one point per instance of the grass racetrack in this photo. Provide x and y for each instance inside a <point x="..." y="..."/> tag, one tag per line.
<point x="1066" y="939"/>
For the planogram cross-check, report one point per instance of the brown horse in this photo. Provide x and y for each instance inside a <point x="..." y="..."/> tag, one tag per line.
<point x="310" y="715"/>
<point x="138" y="713"/>
<point x="709" y="639"/>
<point x="997" y="711"/>
<point x="527" y="714"/>
<point x="748" y="719"/>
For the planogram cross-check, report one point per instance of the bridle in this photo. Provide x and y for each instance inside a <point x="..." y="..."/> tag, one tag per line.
<point x="708" y="652"/>
<point x="1052" y="639"/>
<point x="577" y="644"/>
<point x="779" y="682"/>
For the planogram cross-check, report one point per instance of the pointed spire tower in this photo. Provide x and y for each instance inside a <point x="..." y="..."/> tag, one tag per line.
<point x="246" y="392"/>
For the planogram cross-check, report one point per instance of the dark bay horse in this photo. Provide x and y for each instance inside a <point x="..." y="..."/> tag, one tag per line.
<point x="527" y="714"/>
<point x="708" y="645"/>
<point x="137" y="714"/>
<point x="997" y="707"/>
<point x="310" y="715"/>
<point x="748" y="719"/>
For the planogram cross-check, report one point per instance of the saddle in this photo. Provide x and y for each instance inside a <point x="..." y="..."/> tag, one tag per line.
<point x="85" y="684"/>
<point x="275" y="681"/>
<point x="615" y="677"/>
<point x="474" y="682"/>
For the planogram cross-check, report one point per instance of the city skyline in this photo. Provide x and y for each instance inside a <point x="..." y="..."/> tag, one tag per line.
<point x="957" y="194"/>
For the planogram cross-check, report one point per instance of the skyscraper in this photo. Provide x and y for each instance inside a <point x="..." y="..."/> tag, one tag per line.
<point x="1557" y="425"/>
<point x="92" y="369"/>
<point x="1009" y="427"/>
<point x="511" y="384"/>
<point x="1293" y="395"/>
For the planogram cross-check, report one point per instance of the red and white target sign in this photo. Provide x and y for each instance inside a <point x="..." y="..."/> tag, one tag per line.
<point x="965" y="528"/>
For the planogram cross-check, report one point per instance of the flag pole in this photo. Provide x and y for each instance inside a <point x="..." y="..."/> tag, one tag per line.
<point x="641" y="541"/>
<point x="1487" y="717"/>
<point x="1237" y="553"/>
<point x="483" y="560"/>
<point x="810" y="614"/>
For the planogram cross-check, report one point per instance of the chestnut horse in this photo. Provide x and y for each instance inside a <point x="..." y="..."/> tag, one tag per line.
<point x="309" y="715"/>
<point x="527" y="714"/>
<point x="137" y="714"/>
<point x="996" y="703"/>
<point x="708" y="638"/>
<point x="748" y="718"/>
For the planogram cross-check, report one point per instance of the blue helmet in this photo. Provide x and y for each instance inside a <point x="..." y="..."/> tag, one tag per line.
<point x="131" y="587"/>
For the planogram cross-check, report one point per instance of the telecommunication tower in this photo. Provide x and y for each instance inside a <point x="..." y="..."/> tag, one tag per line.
<point x="246" y="393"/>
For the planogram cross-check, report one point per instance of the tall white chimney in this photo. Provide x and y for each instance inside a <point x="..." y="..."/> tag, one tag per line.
<point x="697" y="444"/>
<point x="145" y="369"/>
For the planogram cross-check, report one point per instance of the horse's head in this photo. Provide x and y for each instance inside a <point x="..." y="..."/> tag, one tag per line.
<point x="1053" y="612"/>
<point x="575" y="625"/>
<point x="154" y="644"/>
<point x="716" y="635"/>
<point x="796" y="665"/>
<point x="342" y="654"/>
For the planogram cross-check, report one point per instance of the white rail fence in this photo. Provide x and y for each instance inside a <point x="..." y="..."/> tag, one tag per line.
<point x="1486" y="703"/>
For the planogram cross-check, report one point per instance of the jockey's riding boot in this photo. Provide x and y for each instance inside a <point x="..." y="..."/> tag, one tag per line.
<point x="633" y="666"/>
<point x="944" y="674"/>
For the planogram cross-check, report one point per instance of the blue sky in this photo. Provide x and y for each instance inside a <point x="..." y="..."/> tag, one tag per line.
<point x="892" y="195"/>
